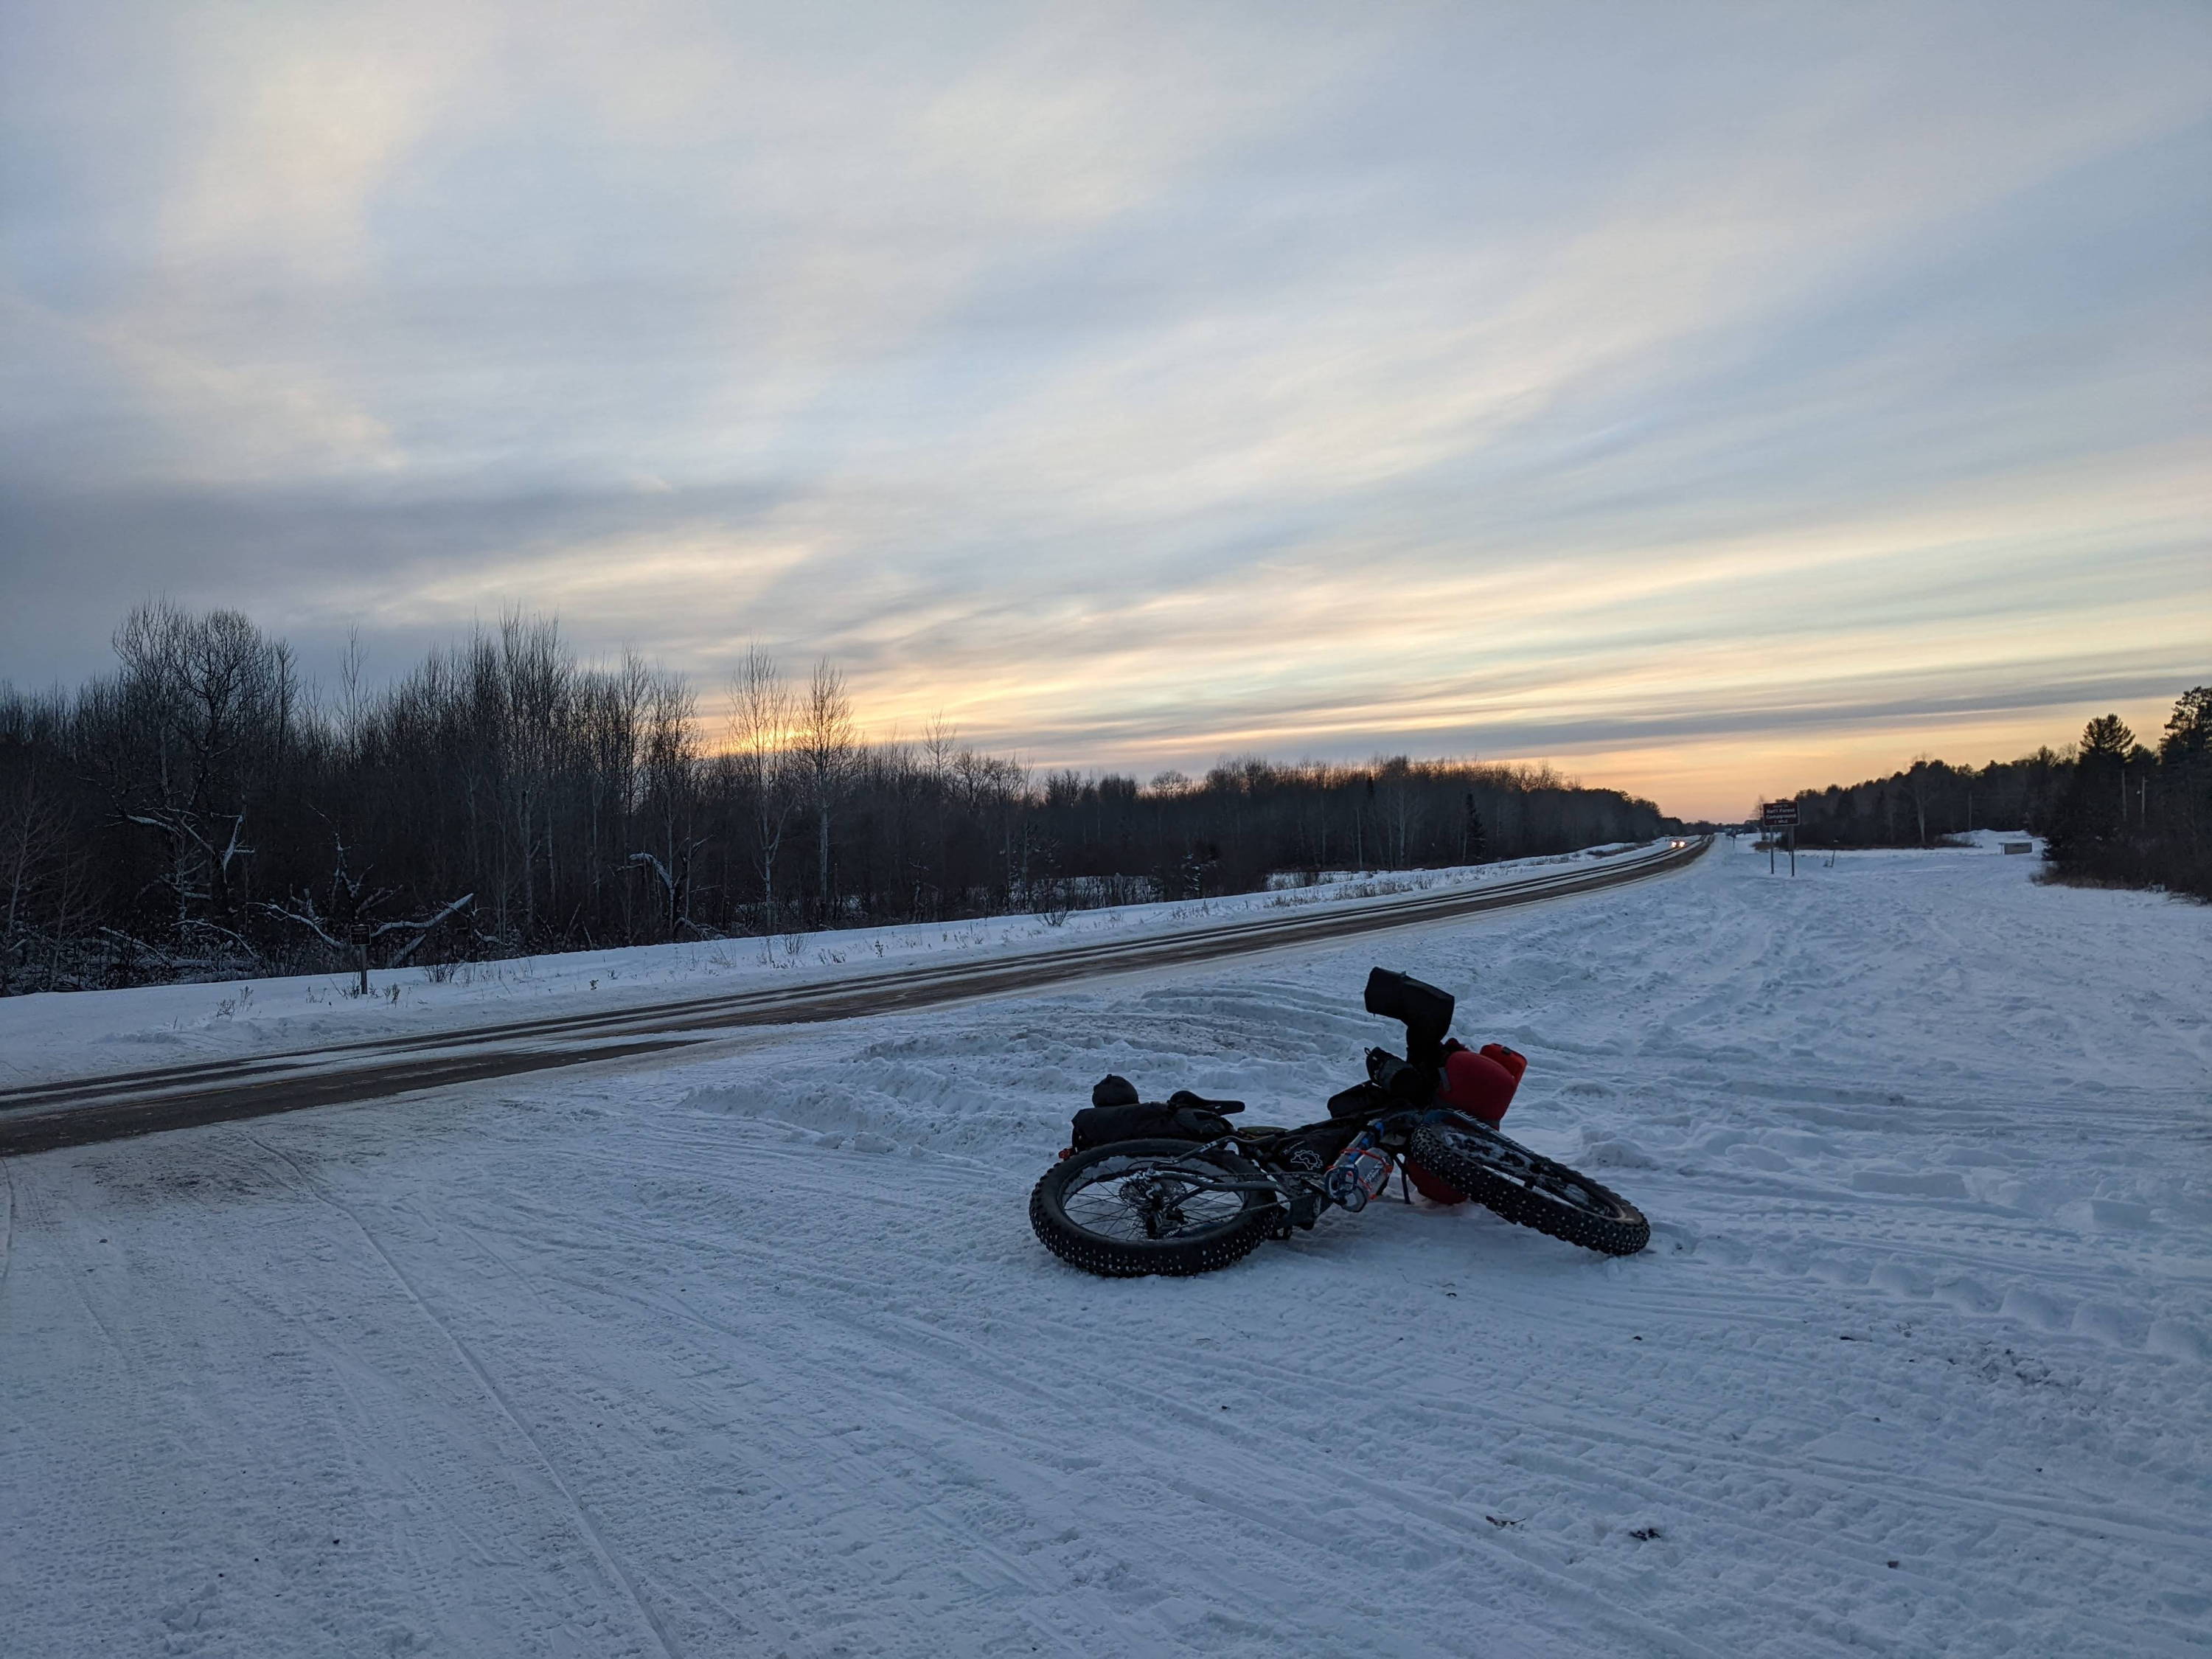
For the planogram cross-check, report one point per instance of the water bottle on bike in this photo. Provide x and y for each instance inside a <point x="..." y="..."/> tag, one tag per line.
<point x="1361" y="1171"/>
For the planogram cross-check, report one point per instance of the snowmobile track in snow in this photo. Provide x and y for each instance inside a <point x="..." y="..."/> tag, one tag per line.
<point x="41" y="1117"/>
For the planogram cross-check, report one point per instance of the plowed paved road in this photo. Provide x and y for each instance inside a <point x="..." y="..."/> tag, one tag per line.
<point x="45" y="1115"/>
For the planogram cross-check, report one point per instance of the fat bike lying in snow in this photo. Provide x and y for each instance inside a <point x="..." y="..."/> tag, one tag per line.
<point x="1174" y="1188"/>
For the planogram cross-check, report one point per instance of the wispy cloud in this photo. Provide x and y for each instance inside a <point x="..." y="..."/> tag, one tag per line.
<point x="1633" y="387"/>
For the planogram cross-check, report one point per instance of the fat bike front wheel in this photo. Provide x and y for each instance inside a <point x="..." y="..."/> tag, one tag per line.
<point x="1529" y="1189"/>
<point x="1153" y="1207"/>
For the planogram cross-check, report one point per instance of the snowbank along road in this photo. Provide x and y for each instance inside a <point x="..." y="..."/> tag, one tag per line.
<point x="36" y="1117"/>
<point x="753" y="1353"/>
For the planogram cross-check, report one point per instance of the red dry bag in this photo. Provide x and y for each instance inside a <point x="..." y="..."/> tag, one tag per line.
<point x="1479" y="1082"/>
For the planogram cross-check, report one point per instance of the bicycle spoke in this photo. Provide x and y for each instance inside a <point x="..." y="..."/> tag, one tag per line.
<point x="1151" y="1202"/>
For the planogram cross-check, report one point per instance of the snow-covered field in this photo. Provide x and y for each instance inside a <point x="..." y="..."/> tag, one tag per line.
<point x="755" y="1354"/>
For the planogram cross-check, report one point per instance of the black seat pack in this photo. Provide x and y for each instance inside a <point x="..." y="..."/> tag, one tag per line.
<point x="1360" y="1100"/>
<point x="1116" y="1113"/>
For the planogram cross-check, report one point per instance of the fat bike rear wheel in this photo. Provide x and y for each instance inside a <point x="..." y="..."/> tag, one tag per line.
<point x="1153" y="1207"/>
<point x="1529" y="1189"/>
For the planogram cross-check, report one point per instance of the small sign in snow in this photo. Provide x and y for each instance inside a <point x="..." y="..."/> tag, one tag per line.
<point x="1774" y="817"/>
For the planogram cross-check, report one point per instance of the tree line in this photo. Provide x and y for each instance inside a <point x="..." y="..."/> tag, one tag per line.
<point x="199" y="813"/>
<point x="2112" y="809"/>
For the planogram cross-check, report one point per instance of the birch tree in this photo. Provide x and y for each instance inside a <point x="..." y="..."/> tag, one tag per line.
<point x="824" y="751"/>
<point x="760" y="729"/>
<point x="668" y="789"/>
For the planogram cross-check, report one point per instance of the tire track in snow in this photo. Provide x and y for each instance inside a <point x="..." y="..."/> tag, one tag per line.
<point x="1647" y="1308"/>
<point x="1175" y="1378"/>
<point x="615" y="1571"/>
<point x="871" y="1332"/>
<point x="7" y="1224"/>
<point x="792" y="1451"/>
<point x="867" y="1333"/>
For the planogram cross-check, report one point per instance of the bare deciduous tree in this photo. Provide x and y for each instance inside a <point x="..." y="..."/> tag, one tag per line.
<point x="761" y="721"/>
<point x="179" y="817"/>
<point x="826" y="741"/>
<point x="667" y="794"/>
<point x="200" y="716"/>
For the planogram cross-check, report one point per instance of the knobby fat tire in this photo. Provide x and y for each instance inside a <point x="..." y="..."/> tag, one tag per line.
<point x="1116" y="1258"/>
<point x="1615" y="1227"/>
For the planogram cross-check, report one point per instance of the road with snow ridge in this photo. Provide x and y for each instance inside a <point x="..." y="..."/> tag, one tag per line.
<point x="79" y="1111"/>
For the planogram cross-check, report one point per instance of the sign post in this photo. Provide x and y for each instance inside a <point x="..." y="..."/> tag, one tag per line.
<point x="358" y="935"/>
<point x="1775" y="815"/>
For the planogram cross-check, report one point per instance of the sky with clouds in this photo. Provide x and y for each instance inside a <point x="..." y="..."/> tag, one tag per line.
<point x="1712" y="400"/>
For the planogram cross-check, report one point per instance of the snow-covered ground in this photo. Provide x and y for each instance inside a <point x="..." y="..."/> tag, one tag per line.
<point x="755" y="1354"/>
<point x="57" y="1035"/>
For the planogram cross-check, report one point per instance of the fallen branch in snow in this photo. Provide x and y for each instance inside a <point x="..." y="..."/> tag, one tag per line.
<point x="305" y="918"/>
<point x="420" y="929"/>
<point x="361" y="934"/>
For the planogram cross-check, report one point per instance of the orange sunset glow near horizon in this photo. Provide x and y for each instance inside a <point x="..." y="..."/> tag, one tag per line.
<point x="1710" y="403"/>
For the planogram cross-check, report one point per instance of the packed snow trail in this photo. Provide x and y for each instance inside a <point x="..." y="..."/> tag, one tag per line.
<point x="757" y="1355"/>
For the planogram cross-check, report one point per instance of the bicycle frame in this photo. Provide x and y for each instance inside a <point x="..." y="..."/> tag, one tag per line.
<point x="1276" y="1179"/>
<point x="1302" y="1194"/>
